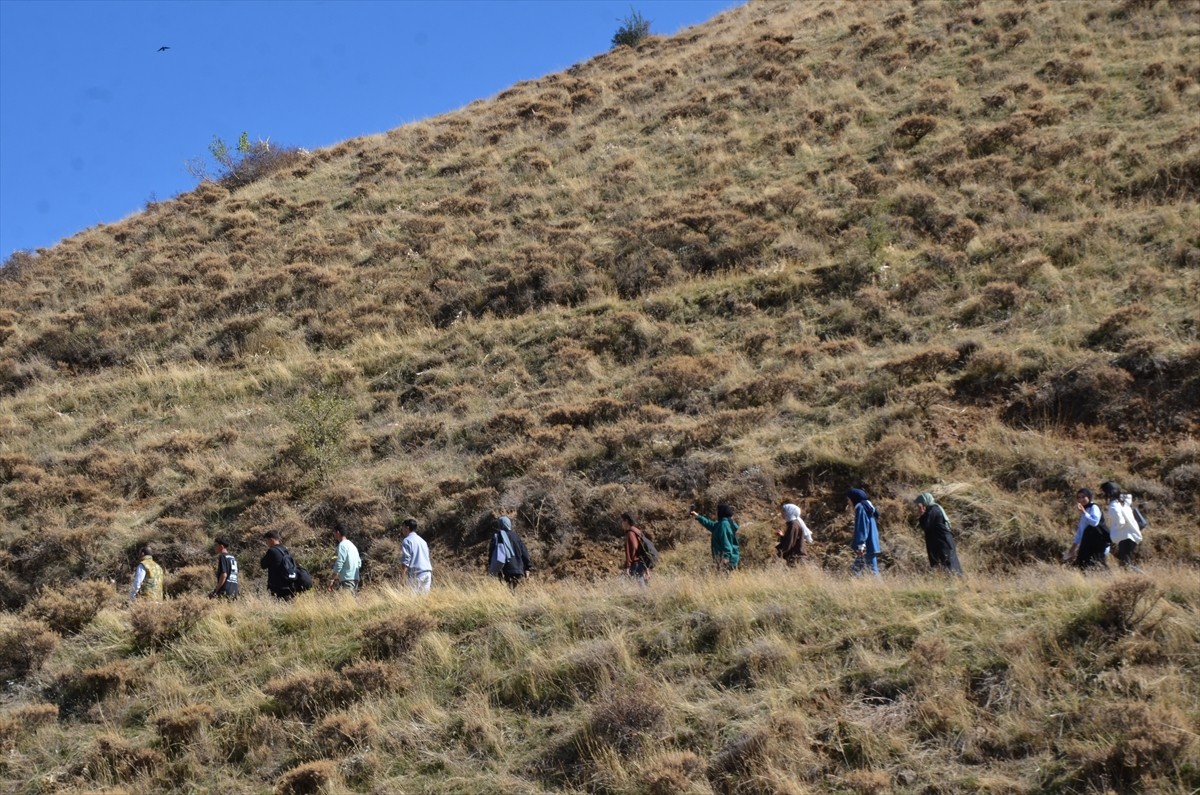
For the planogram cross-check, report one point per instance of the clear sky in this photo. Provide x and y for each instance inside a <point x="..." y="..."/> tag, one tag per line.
<point x="94" y="121"/>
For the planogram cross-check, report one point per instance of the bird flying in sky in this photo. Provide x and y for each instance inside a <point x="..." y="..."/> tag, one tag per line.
<point x="163" y="48"/>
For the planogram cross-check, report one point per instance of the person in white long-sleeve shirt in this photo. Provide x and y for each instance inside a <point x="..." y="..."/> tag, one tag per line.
<point x="1091" y="536"/>
<point x="415" y="566"/>
<point x="1123" y="528"/>
<point x="148" y="577"/>
<point x="347" y="565"/>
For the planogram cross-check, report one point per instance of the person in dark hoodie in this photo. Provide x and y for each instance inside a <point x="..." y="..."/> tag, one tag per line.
<point x="508" y="558"/>
<point x="866" y="532"/>
<point x="939" y="543"/>
<point x="724" y="537"/>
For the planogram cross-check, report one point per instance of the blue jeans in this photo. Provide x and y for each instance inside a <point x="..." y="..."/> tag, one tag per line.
<point x="862" y="563"/>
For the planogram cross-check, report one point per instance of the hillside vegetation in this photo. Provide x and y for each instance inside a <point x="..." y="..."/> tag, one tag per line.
<point x="912" y="246"/>
<point x="767" y="682"/>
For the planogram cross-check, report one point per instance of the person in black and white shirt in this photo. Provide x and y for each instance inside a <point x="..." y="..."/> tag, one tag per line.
<point x="227" y="571"/>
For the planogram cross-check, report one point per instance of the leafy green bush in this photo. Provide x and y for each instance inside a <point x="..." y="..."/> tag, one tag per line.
<point x="243" y="163"/>
<point x="634" y="28"/>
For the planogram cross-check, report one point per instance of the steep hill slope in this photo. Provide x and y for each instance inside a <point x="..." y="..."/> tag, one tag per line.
<point x="943" y="245"/>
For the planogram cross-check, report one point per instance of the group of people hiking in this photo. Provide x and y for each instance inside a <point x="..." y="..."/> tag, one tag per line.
<point x="1097" y="531"/>
<point x="795" y="535"/>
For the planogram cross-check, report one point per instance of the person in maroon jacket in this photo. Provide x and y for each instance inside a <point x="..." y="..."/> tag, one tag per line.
<point x="634" y="565"/>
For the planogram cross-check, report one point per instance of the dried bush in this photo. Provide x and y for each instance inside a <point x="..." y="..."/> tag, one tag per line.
<point x="183" y="727"/>
<point x="374" y="677"/>
<point x="75" y="691"/>
<point x="914" y="128"/>
<point x="309" y="695"/>
<point x="23" y="721"/>
<point x="342" y="733"/>
<point x="1085" y="392"/>
<point x="923" y="366"/>
<point x="627" y="723"/>
<point x="17" y="264"/>
<point x="1141" y="742"/>
<point x="70" y="608"/>
<point x="24" y="646"/>
<point x="311" y="778"/>
<point x="1128" y="606"/>
<point x="112" y="758"/>
<point x="158" y="623"/>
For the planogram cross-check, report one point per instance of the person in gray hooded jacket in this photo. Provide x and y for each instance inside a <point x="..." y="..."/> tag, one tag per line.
<point x="508" y="558"/>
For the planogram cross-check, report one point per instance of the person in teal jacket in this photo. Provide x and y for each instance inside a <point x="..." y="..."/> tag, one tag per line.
<point x="724" y="537"/>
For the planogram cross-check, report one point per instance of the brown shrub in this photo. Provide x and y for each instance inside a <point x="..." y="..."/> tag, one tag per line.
<point x="24" y="646"/>
<point x="1127" y="606"/>
<point x="311" y="778"/>
<point x="112" y="758"/>
<point x="586" y="414"/>
<point x="914" y="128"/>
<point x="71" y="608"/>
<point x="1086" y="392"/>
<point x="75" y="691"/>
<point x="197" y="579"/>
<point x="1141" y="741"/>
<point x="923" y="366"/>
<point x="184" y="726"/>
<point x="308" y="695"/>
<point x="369" y="677"/>
<point x="675" y="773"/>
<point x="157" y="623"/>
<point x="998" y="301"/>
<point x="628" y="722"/>
<point x="23" y="721"/>
<point x="342" y="733"/>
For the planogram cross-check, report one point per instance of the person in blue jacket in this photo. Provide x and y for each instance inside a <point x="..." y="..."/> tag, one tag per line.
<point x="724" y="537"/>
<point x="866" y="532"/>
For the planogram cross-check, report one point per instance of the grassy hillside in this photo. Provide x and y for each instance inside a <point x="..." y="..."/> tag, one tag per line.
<point x="949" y="246"/>
<point x="768" y="682"/>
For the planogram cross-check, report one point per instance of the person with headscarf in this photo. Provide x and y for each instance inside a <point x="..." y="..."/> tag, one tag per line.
<point x="866" y="532"/>
<point x="724" y="537"/>
<point x="939" y="543"/>
<point x="508" y="557"/>
<point x="1091" y="534"/>
<point x="795" y="536"/>
<point x="1123" y="528"/>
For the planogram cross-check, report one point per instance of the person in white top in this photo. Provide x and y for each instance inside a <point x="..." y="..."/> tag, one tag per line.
<point x="1123" y="528"/>
<point x="415" y="567"/>
<point x="348" y="563"/>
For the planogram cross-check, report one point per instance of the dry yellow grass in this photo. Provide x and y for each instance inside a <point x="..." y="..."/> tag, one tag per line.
<point x="778" y="680"/>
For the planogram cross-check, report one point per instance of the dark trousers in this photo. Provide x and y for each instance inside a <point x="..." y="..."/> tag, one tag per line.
<point x="1126" y="550"/>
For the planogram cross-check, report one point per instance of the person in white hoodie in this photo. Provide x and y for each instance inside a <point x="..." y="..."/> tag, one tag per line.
<point x="1123" y="528"/>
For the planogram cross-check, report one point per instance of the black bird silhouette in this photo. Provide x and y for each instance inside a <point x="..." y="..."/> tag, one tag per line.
<point x="164" y="48"/>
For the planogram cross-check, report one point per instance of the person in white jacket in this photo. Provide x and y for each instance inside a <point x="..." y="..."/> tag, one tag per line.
<point x="1123" y="528"/>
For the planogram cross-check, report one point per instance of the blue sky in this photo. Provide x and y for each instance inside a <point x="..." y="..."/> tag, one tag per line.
<point x="94" y="122"/>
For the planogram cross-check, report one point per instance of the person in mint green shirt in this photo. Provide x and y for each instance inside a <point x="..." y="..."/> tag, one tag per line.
<point x="348" y="563"/>
<point x="724" y="537"/>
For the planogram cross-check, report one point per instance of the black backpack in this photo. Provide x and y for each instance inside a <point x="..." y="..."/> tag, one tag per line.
<point x="297" y="575"/>
<point x="647" y="551"/>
